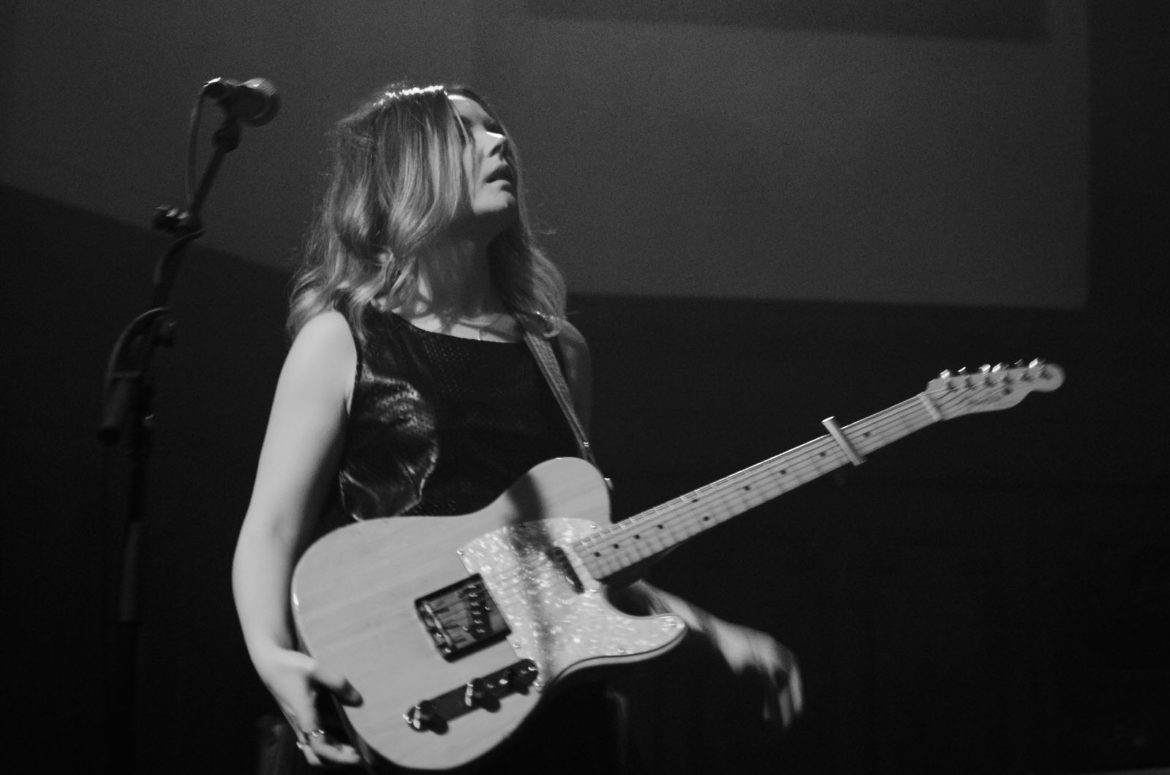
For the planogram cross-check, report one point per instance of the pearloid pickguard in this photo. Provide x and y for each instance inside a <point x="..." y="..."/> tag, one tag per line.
<point x="552" y="623"/>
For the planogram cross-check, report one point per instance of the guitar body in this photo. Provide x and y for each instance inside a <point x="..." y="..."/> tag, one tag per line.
<point x="368" y="599"/>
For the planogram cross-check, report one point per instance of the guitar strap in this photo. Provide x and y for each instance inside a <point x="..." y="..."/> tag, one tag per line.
<point x="547" y="360"/>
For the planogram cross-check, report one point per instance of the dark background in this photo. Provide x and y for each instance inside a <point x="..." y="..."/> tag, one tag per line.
<point x="888" y="151"/>
<point x="989" y="596"/>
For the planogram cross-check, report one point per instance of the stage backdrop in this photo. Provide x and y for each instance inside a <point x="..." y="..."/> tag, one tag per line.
<point x="891" y="151"/>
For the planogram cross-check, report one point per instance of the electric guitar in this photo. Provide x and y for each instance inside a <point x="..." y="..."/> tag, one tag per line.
<point x="454" y="628"/>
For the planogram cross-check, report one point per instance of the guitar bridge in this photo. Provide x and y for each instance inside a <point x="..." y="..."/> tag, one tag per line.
<point x="461" y="618"/>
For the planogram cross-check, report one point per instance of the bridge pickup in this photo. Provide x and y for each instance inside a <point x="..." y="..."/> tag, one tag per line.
<point x="461" y="618"/>
<point x="484" y="693"/>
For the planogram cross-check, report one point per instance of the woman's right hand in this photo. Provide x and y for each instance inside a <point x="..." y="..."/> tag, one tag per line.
<point x="297" y="470"/>
<point x="297" y="681"/>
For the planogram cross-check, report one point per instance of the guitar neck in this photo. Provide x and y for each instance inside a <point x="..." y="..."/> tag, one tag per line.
<point x="650" y="533"/>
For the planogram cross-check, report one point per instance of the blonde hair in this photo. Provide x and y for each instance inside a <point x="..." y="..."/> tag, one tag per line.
<point x="396" y="186"/>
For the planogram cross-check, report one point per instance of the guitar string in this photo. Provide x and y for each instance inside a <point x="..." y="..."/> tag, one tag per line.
<point x="694" y="515"/>
<point x="765" y="469"/>
<point x="820" y="456"/>
<point x="871" y="433"/>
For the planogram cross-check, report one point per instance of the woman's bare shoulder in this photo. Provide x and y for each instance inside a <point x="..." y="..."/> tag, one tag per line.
<point x="325" y="336"/>
<point x="323" y="351"/>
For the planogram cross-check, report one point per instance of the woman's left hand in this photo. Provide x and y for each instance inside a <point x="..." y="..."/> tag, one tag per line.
<point x="755" y="656"/>
<point x="759" y="657"/>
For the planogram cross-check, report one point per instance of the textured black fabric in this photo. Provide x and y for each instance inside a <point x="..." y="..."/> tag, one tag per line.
<point x="441" y="425"/>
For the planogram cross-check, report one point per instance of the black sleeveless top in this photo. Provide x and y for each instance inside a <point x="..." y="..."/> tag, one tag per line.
<point x="441" y="425"/>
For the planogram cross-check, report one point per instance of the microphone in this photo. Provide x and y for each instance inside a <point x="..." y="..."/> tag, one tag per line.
<point x="253" y="102"/>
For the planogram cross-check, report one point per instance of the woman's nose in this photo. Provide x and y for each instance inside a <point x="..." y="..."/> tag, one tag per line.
<point x="497" y="144"/>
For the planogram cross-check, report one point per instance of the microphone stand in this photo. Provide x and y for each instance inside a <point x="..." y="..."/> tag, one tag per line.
<point x="128" y="406"/>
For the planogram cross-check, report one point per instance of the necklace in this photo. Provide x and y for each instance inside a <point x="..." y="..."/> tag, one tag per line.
<point x="481" y="327"/>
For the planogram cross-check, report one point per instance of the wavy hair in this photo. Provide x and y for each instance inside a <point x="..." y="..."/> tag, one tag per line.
<point x="396" y="186"/>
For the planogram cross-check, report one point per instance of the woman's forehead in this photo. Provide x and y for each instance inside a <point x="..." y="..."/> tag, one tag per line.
<point x="467" y="107"/>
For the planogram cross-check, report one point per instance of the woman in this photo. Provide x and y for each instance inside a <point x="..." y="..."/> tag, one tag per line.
<point x="408" y="388"/>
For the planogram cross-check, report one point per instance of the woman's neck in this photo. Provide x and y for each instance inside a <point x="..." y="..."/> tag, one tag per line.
<point x="455" y="282"/>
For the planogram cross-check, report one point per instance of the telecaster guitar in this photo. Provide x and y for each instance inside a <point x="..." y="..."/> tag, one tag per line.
<point x="454" y="628"/>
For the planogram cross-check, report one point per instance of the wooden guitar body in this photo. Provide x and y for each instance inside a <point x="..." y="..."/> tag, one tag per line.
<point x="355" y="595"/>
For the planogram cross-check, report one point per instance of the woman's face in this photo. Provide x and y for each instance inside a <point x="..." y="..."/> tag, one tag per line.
<point x="490" y="180"/>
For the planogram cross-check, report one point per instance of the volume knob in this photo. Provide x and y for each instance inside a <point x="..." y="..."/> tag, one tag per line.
<point x="475" y="693"/>
<point x="422" y="716"/>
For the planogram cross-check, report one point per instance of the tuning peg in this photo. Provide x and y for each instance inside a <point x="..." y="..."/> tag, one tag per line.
<point x="945" y="374"/>
<point x="1030" y="370"/>
<point x="965" y="377"/>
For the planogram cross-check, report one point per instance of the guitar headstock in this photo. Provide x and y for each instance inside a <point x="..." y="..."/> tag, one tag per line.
<point x="991" y="388"/>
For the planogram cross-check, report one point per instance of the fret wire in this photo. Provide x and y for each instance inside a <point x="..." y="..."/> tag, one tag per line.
<point x="870" y="433"/>
<point x="694" y="501"/>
